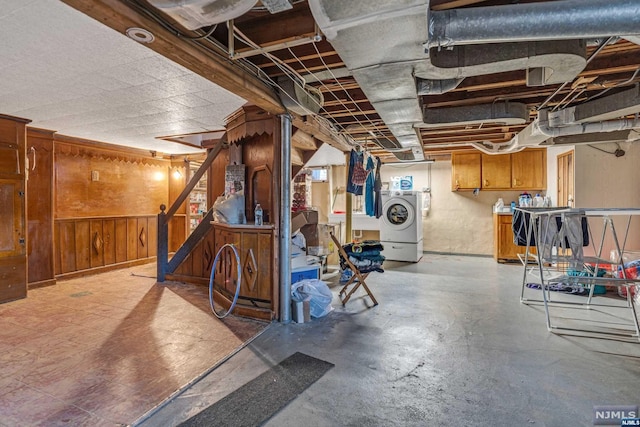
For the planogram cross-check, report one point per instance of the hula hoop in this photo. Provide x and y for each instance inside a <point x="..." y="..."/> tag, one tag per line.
<point x="213" y="273"/>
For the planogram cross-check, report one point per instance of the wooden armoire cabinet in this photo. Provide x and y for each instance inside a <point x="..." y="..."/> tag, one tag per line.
<point x="13" y="235"/>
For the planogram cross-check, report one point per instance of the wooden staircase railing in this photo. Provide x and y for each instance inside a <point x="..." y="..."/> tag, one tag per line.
<point x="164" y="265"/>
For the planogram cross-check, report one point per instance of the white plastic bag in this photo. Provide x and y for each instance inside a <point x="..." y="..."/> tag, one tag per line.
<point x="229" y="209"/>
<point x="316" y="292"/>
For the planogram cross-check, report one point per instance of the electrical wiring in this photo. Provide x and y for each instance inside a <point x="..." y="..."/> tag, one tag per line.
<point x="630" y="80"/>
<point x="346" y="108"/>
<point x="619" y="152"/>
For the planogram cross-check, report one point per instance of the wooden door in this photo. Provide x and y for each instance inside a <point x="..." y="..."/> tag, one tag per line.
<point x="496" y="171"/>
<point x="465" y="171"/>
<point x="565" y="179"/>
<point x="529" y="169"/>
<point x="13" y="235"/>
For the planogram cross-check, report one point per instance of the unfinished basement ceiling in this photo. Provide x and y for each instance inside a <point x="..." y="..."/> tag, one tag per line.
<point x="69" y="73"/>
<point x="365" y="63"/>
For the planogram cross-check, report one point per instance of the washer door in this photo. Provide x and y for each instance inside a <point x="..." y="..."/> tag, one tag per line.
<point x="398" y="214"/>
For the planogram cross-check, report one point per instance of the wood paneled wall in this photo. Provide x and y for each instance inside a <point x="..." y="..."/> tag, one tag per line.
<point x="84" y="244"/>
<point x="93" y="182"/>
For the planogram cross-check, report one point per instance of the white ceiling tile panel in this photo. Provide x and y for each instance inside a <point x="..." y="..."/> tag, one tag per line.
<point x="190" y="100"/>
<point x="69" y="73"/>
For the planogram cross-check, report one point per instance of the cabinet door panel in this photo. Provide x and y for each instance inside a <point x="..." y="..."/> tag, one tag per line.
<point x="529" y="169"/>
<point x="465" y="168"/>
<point x="496" y="171"/>
<point x="12" y="214"/>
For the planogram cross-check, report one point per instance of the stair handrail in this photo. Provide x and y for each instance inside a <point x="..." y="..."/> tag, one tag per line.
<point x="164" y="217"/>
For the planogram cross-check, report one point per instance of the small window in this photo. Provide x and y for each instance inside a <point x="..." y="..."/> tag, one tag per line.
<point x="319" y="175"/>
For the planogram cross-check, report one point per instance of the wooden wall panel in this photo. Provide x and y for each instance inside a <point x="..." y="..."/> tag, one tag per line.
<point x="96" y="243"/>
<point x="257" y="155"/>
<point x="132" y="238"/>
<point x="92" y="183"/>
<point x="66" y="247"/>
<point x="152" y="236"/>
<point x="109" y="247"/>
<point x="121" y="239"/>
<point x="265" y="267"/>
<point x="177" y="232"/>
<point x="196" y="261"/>
<point x="82" y="244"/>
<point x="142" y="238"/>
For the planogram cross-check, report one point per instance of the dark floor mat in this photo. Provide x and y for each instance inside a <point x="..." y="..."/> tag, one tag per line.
<point x="261" y="398"/>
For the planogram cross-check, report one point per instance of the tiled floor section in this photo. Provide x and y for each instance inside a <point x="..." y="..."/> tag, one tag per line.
<point x="104" y="350"/>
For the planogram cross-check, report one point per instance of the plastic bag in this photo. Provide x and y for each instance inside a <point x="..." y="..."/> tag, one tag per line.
<point x="229" y="209"/>
<point x="316" y="292"/>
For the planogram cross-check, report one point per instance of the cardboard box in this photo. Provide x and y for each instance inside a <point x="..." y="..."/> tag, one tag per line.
<point x="298" y="220"/>
<point x="306" y="221"/>
<point x="310" y="233"/>
<point x="300" y="311"/>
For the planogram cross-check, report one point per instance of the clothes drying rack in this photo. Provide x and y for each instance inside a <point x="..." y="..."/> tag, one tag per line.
<point x="557" y="234"/>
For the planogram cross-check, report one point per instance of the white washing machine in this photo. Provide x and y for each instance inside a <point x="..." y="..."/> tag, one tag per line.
<point x="401" y="225"/>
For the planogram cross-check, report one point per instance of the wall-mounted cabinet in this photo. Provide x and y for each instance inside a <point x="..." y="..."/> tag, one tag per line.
<point x="524" y="170"/>
<point x="466" y="171"/>
<point x="13" y="235"/>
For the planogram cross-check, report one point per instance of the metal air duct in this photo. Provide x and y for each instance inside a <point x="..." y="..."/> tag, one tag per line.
<point x="194" y="14"/>
<point x="507" y="113"/>
<point x="549" y="20"/>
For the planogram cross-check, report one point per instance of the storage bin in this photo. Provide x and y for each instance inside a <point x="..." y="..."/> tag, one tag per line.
<point x="308" y="272"/>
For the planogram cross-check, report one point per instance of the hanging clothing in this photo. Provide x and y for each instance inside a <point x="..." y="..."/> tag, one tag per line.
<point x="356" y="174"/>
<point x="377" y="188"/>
<point x="369" y="203"/>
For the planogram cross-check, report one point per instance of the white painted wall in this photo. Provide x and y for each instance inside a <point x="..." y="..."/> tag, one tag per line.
<point x="603" y="180"/>
<point x="552" y="170"/>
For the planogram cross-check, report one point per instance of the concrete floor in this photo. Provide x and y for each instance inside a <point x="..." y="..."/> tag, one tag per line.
<point x="449" y="344"/>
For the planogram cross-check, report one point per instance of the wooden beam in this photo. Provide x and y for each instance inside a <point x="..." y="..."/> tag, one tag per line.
<point x="303" y="141"/>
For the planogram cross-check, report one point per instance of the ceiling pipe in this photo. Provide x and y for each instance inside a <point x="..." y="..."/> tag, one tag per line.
<point x="543" y="126"/>
<point x="550" y="20"/>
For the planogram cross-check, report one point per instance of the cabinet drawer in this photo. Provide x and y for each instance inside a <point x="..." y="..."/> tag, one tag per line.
<point x="13" y="278"/>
